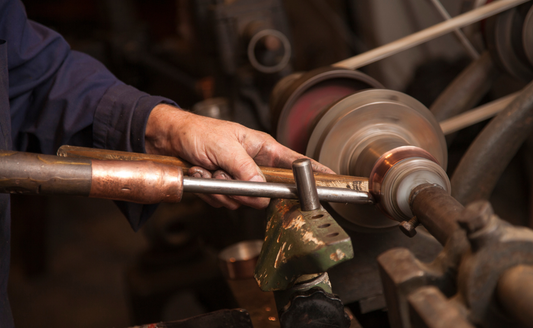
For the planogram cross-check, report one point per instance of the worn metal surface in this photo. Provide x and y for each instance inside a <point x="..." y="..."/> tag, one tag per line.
<point x="271" y="174"/>
<point x="428" y="306"/>
<point x="352" y="129"/>
<point x="26" y="173"/>
<point x="297" y="243"/>
<point x="428" y="34"/>
<point x="305" y="184"/>
<point x="436" y="210"/>
<point x="467" y="272"/>
<point x="515" y="293"/>
<point x="527" y="35"/>
<point x="236" y="318"/>
<point x="483" y="163"/>
<point x="138" y="182"/>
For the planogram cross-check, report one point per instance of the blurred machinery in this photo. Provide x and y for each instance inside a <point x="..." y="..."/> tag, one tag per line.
<point x="431" y="250"/>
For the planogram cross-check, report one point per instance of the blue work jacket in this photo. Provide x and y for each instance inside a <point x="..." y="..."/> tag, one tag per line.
<point x="50" y="96"/>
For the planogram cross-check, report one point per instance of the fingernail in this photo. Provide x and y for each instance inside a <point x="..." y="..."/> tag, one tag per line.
<point x="257" y="178"/>
<point x="196" y="175"/>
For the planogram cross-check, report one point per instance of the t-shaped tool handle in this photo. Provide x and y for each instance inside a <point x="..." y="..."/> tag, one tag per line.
<point x="305" y="184"/>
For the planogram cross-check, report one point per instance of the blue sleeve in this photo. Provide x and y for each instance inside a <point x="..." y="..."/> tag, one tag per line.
<point x="59" y="96"/>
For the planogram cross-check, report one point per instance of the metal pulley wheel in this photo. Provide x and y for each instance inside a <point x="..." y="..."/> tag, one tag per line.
<point x="354" y="133"/>
<point x="509" y="38"/>
<point x="299" y="100"/>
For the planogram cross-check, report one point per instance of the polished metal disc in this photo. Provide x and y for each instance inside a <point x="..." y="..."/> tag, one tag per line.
<point x="299" y="101"/>
<point x="354" y="120"/>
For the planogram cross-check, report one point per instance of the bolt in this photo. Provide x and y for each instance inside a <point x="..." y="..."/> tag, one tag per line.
<point x="409" y="227"/>
<point x="476" y="216"/>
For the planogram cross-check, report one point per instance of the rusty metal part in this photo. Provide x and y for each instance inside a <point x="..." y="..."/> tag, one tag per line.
<point x="428" y="306"/>
<point x="409" y="227"/>
<point x="467" y="88"/>
<point x="271" y="174"/>
<point x="26" y="173"/>
<point x="356" y="131"/>
<point x="299" y="101"/>
<point x="467" y="272"/>
<point x="428" y="34"/>
<point x="271" y="190"/>
<point x="503" y="34"/>
<point x="297" y="243"/>
<point x="436" y="210"/>
<point x="305" y="184"/>
<point x="527" y="35"/>
<point x="483" y="163"/>
<point x="238" y="261"/>
<point x="515" y="293"/>
<point x="138" y="182"/>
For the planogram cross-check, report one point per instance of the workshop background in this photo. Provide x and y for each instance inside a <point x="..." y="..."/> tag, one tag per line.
<point x="77" y="263"/>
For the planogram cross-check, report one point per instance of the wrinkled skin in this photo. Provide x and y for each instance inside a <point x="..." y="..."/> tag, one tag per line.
<point x="228" y="148"/>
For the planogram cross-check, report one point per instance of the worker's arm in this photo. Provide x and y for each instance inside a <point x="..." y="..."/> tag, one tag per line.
<point x="218" y="145"/>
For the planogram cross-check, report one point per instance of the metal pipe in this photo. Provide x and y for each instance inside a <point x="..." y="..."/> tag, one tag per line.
<point x="467" y="89"/>
<point x="472" y="52"/>
<point x="515" y="293"/>
<point x="271" y="190"/>
<point x="481" y="166"/>
<point x="476" y="115"/>
<point x="305" y="184"/>
<point x="428" y="34"/>
<point x="436" y="210"/>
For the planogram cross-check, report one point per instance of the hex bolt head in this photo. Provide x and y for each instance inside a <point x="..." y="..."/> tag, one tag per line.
<point x="409" y="227"/>
<point x="476" y="216"/>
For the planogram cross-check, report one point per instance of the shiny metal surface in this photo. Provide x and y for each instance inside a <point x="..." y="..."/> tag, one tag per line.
<point x="238" y="261"/>
<point x="299" y="101"/>
<point x="138" y="182"/>
<point x="305" y="185"/>
<point x="271" y="190"/>
<point x="365" y="124"/>
<point x="428" y="34"/>
<point x="527" y="35"/>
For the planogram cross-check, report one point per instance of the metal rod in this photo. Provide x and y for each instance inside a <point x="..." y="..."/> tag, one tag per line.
<point x="476" y="115"/>
<point x="427" y="34"/>
<point x="271" y="190"/>
<point x="305" y="184"/>
<point x="436" y="210"/>
<point x="472" y="52"/>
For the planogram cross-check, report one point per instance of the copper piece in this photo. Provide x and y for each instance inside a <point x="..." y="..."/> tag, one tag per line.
<point x="388" y="160"/>
<point x="138" y="182"/>
<point x="238" y="261"/>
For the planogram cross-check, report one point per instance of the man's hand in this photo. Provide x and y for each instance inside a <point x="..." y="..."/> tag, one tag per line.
<point x="218" y="145"/>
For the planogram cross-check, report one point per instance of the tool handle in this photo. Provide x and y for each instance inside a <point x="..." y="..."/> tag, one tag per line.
<point x="271" y="174"/>
<point x="138" y="182"/>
